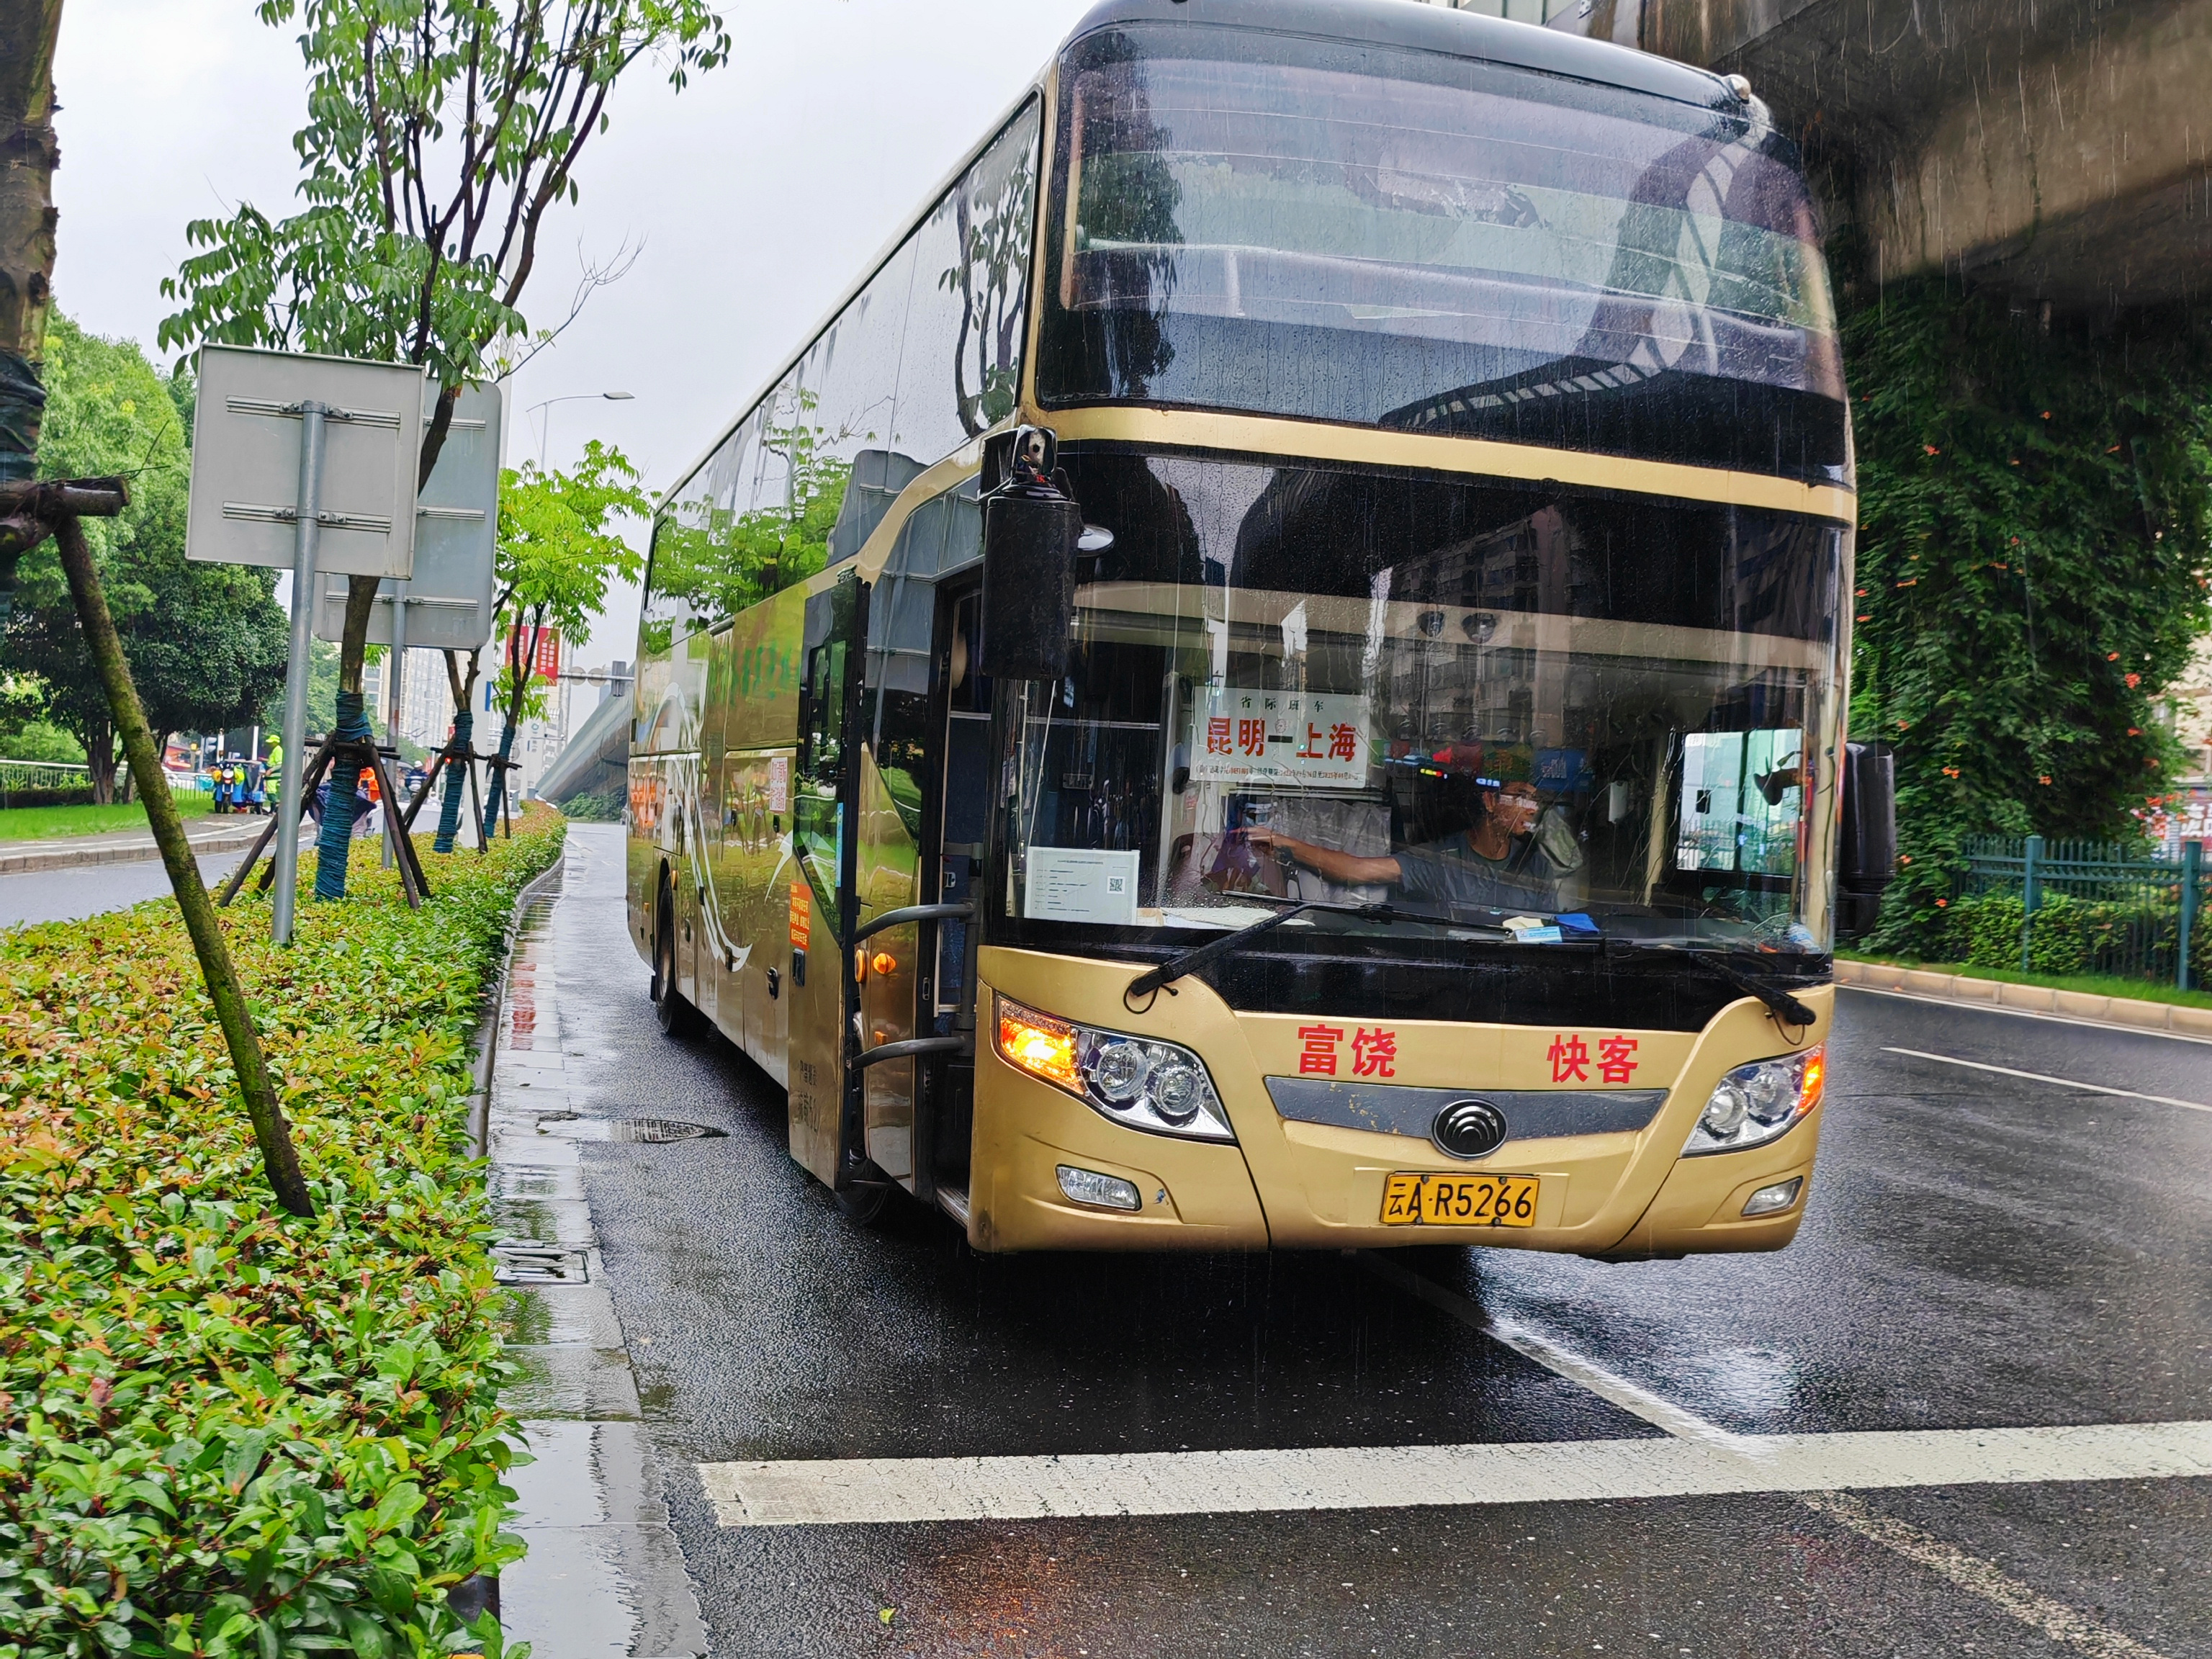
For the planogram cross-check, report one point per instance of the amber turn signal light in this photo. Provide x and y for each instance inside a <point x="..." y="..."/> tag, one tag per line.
<point x="1038" y="1044"/>
<point x="882" y="963"/>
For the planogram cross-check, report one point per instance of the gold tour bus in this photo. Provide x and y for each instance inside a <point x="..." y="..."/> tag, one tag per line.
<point x="1274" y="674"/>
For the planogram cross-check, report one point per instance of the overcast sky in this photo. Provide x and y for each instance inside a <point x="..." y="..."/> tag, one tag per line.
<point x="756" y="195"/>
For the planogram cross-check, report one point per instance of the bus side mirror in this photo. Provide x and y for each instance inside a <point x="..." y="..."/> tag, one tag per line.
<point x="1031" y="533"/>
<point x="1867" y="861"/>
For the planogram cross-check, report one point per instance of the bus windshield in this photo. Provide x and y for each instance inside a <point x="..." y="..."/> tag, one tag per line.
<point x="1500" y="710"/>
<point x="1246" y="221"/>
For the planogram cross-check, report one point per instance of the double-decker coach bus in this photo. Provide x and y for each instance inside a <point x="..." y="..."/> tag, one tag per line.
<point x="1274" y="674"/>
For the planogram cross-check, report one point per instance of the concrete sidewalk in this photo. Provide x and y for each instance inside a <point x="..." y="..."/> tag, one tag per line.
<point x="212" y="833"/>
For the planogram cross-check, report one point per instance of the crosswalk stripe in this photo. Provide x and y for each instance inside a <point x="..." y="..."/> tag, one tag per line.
<point x="1985" y="1579"/>
<point x="877" y="1490"/>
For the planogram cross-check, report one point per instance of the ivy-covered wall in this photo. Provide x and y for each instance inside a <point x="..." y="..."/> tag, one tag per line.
<point x="2034" y="552"/>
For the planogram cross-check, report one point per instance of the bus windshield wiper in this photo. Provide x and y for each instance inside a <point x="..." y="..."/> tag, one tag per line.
<point x="1786" y="1006"/>
<point x="1188" y="962"/>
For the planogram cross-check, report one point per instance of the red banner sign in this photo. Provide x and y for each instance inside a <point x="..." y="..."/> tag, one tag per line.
<point x="546" y="664"/>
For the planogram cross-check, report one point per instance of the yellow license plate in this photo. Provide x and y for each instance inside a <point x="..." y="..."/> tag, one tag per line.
<point x="1412" y="1199"/>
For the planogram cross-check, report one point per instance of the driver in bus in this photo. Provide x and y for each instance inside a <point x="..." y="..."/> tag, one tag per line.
<point x="1491" y="865"/>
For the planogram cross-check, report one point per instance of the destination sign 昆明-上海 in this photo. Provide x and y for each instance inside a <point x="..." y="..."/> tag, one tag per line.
<point x="1318" y="739"/>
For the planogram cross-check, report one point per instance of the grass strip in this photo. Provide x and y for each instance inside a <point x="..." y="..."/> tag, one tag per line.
<point x="2095" y="985"/>
<point x="225" y="1430"/>
<point x="45" y="822"/>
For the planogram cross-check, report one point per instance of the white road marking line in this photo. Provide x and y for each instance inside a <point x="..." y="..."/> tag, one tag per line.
<point x="844" y="1491"/>
<point x="2024" y="1013"/>
<point x="2054" y="1619"/>
<point x="2041" y="1077"/>
<point x="1940" y="1457"/>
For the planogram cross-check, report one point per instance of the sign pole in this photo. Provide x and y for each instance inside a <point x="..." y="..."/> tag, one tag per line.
<point x="397" y="659"/>
<point x="307" y="529"/>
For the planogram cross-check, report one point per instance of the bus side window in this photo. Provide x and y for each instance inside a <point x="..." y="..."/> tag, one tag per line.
<point x="818" y="815"/>
<point x="961" y="360"/>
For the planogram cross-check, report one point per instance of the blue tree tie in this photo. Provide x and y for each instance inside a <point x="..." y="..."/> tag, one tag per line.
<point x="333" y="846"/>
<point x="456" y="778"/>
<point x="497" y="793"/>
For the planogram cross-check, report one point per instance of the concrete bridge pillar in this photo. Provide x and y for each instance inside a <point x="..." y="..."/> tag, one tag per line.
<point x="2058" y="149"/>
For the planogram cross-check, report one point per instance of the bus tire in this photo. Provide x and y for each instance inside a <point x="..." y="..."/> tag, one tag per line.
<point x="864" y="1201"/>
<point x="675" y="1014"/>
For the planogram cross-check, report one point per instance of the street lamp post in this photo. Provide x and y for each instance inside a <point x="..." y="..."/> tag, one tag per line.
<point x="546" y="429"/>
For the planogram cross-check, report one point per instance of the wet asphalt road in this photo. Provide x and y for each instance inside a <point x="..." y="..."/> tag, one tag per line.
<point x="1980" y="1251"/>
<point x="70" y="894"/>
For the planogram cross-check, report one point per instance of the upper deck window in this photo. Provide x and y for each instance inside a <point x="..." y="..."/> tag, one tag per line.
<point x="1354" y="233"/>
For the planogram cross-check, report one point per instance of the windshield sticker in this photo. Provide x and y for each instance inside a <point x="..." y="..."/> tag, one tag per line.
<point x="1251" y="736"/>
<point x="1072" y="884"/>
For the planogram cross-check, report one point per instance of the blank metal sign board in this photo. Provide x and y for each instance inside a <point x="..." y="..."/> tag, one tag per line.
<point x="246" y="460"/>
<point x="449" y="595"/>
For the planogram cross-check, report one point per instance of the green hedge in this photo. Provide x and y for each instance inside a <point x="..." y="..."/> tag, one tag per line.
<point x="224" y="1430"/>
<point x="2132" y="938"/>
<point x="606" y="806"/>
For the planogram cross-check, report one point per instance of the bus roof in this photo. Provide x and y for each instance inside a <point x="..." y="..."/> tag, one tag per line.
<point x="1408" y="23"/>
<point x="1439" y="28"/>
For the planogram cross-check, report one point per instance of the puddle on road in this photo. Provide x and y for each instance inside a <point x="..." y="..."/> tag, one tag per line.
<point x="573" y="1125"/>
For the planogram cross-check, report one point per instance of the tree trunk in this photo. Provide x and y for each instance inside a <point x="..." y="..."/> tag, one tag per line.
<point x="98" y="736"/>
<point x="29" y="156"/>
<point x="496" y="799"/>
<point x="272" y="1133"/>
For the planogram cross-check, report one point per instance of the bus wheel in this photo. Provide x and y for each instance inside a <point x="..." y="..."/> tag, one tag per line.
<point x="674" y="1013"/>
<point x="863" y="1202"/>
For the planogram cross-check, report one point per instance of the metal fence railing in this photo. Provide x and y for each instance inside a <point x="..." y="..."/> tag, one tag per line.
<point x="20" y="777"/>
<point x="2071" y="907"/>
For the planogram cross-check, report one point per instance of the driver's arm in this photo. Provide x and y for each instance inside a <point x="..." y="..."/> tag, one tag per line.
<point x="1347" y="869"/>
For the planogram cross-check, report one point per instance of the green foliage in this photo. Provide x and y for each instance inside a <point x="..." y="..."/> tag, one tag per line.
<point x="718" y="562"/>
<point x="225" y="1430"/>
<point x="439" y="135"/>
<point x="206" y="642"/>
<point x="557" y="552"/>
<point x="2131" y="937"/>
<point x="322" y="692"/>
<point x="35" y="739"/>
<point x="2034" y="544"/>
<point x="605" y="806"/>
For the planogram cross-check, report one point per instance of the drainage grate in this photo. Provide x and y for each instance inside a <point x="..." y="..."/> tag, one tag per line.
<point x="573" y="1125"/>
<point x="528" y="1261"/>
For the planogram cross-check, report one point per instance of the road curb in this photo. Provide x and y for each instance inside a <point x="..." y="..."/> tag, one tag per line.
<point x="2129" y="1013"/>
<point x="71" y="858"/>
<point x="486" y="1036"/>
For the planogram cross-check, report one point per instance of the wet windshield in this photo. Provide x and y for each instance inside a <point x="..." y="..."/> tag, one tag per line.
<point x="1509" y="710"/>
<point x="1252" y="221"/>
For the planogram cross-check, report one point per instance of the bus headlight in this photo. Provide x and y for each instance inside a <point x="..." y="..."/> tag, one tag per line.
<point x="1161" y="1087"/>
<point x="1755" y="1103"/>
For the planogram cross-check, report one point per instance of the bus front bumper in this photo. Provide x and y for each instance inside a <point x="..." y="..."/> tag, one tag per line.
<point x="1290" y="1184"/>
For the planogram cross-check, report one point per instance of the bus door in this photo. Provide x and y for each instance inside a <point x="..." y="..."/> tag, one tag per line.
<point x="923" y="789"/>
<point x="824" y="791"/>
<point x="946" y="1116"/>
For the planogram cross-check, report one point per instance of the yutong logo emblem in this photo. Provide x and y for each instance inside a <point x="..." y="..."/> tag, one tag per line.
<point x="1469" y="1128"/>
